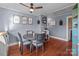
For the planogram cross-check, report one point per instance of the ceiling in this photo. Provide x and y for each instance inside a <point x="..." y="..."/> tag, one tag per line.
<point x="48" y="8"/>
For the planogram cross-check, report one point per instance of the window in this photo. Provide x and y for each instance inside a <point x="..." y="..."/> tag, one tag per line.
<point x="16" y="19"/>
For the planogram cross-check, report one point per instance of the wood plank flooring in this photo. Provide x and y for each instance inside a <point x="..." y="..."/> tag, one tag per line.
<point x="53" y="47"/>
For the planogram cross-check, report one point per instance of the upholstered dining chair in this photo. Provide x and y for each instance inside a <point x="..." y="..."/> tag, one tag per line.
<point x="23" y="41"/>
<point x="30" y="34"/>
<point x="31" y="37"/>
<point x="39" y="42"/>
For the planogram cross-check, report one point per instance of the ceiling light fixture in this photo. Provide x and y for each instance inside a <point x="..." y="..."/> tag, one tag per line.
<point x="31" y="10"/>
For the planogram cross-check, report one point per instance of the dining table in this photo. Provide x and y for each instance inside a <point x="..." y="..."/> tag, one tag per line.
<point x="32" y="38"/>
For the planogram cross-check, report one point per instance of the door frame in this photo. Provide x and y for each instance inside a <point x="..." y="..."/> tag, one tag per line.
<point x="67" y="28"/>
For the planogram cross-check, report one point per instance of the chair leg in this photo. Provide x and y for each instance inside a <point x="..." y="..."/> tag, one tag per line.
<point x="30" y="47"/>
<point x="43" y="48"/>
<point x="36" y="50"/>
<point x="21" y="50"/>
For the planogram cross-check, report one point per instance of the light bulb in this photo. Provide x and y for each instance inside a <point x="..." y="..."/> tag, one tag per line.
<point x="31" y="10"/>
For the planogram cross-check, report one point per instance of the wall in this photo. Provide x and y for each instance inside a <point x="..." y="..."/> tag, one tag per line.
<point x="6" y="23"/>
<point x="57" y="30"/>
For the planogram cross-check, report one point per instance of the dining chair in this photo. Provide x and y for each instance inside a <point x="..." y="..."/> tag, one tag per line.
<point x="30" y="34"/>
<point x="39" y="42"/>
<point x="23" y="41"/>
<point x="31" y="37"/>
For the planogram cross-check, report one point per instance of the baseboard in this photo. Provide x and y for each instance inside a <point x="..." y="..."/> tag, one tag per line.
<point x="49" y="36"/>
<point x="59" y="38"/>
<point x="13" y="44"/>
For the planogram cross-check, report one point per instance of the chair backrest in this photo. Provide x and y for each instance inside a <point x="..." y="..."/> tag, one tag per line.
<point x="30" y="34"/>
<point x="23" y="35"/>
<point x="40" y="37"/>
<point x="20" y="38"/>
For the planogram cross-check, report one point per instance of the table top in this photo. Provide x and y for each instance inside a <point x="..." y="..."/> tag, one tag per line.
<point x="40" y="32"/>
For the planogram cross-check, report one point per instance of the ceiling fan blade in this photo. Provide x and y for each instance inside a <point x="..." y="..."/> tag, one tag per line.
<point x="24" y="5"/>
<point x="38" y="7"/>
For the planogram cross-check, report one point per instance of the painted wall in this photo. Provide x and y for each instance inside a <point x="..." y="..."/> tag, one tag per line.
<point x="57" y="30"/>
<point x="6" y="24"/>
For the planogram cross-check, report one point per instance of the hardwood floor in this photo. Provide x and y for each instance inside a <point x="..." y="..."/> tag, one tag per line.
<point x="53" y="47"/>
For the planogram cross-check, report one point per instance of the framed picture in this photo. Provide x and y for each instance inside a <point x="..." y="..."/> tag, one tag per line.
<point x="44" y="20"/>
<point x="50" y="22"/>
<point x="16" y="19"/>
<point x="24" y="20"/>
<point x="29" y="21"/>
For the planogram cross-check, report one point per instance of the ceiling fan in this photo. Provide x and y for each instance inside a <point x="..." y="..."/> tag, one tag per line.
<point x="31" y="7"/>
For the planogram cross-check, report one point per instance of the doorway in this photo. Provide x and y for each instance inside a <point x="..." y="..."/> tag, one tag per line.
<point x="69" y="28"/>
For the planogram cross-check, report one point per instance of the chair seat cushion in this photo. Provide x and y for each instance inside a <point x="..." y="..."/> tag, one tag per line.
<point x="40" y="44"/>
<point x="26" y="42"/>
<point x="35" y="41"/>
